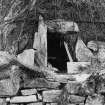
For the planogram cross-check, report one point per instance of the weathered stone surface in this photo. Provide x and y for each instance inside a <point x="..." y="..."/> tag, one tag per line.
<point x="95" y="100"/>
<point x="38" y="103"/>
<point x="76" y="99"/>
<point x="83" y="54"/>
<point x="40" y="41"/>
<point x="5" y="57"/>
<point x="27" y="57"/>
<point x="3" y="101"/>
<point x="82" y="89"/>
<point x="72" y="104"/>
<point x="76" y="67"/>
<point x="61" y="78"/>
<point x="62" y="26"/>
<point x="53" y="104"/>
<point x="94" y="45"/>
<point x="81" y="104"/>
<point x="26" y="92"/>
<point x="40" y="83"/>
<point x="101" y="55"/>
<point x="51" y="95"/>
<point x="7" y="88"/>
<point x="82" y="77"/>
<point x="23" y="99"/>
<point x="10" y="85"/>
<point x="73" y="87"/>
<point x="48" y="103"/>
<point x="39" y="97"/>
<point x="100" y="47"/>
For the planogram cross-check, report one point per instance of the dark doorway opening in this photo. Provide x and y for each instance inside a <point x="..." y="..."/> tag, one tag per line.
<point x="57" y="55"/>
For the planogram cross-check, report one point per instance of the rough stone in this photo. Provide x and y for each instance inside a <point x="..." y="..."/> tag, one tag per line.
<point x="10" y="86"/>
<point x="51" y="95"/>
<point x="53" y="104"/>
<point x="23" y="99"/>
<point x="5" y="57"/>
<point x="94" y="45"/>
<point x="95" y="100"/>
<point x="62" y="26"/>
<point x="27" y="57"/>
<point x="76" y="99"/>
<point x="26" y="92"/>
<point x="75" y="67"/>
<point x="73" y="87"/>
<point x="100" y="47"/>
<point x="83" y="54"/>
<point x="40" y="83"/>
<point x="39" y="97"/>
<point x="7" y="88"/>
<point x="38" y="103"/>
<point x="3" y="101"/>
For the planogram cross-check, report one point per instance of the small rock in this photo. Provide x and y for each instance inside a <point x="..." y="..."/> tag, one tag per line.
<point x="53" y="104"/>
<point x="101" y="55"/>
<point x="6" y="88"/>
<point x="48" y="103"/>
<point x="5" y="57"/>
<point x="27" y="57"/>
<point x="51" y="95"/>
<point x="83" y="54"/>
<point x="11" y="85"/>
<point x="23" y="99"/>
<point x="95" y="45"/>
<point x="39" y="97"/>
<point x="99" y="47"/>
<point x="73" y="87"/>
<point x="77" y="67"/>
<point x="95" y="100"/>
<point x="76" y="99"/>
<point x="3" y="101"/>
<point x="26" y="92"/>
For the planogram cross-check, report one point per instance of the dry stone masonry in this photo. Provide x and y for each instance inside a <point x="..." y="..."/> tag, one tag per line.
<point x="26" y="78"/>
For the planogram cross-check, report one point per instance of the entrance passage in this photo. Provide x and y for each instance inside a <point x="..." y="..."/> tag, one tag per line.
<point x="57" y="55"/>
